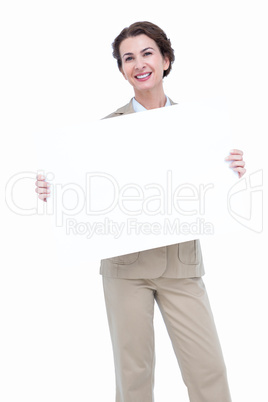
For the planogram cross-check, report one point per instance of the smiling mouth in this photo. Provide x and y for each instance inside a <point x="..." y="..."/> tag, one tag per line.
<point x="143" y="76"/>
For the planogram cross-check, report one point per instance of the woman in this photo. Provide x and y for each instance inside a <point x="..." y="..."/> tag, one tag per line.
<point x="169" y="275"/>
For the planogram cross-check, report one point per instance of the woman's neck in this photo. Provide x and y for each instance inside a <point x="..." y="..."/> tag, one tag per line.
<point x="151" y="100"/>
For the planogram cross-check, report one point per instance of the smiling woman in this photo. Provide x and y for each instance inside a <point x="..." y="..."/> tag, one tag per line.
<point x="171" y="275"/>
<point x="144" y="56"/>
<point x="143" y="66"/>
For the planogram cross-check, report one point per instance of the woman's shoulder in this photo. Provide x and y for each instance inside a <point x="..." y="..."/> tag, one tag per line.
<point x="126" y="109"/>
<point x="172" y="103"/>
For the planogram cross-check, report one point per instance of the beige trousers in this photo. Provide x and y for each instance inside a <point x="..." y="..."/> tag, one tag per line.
<point x="186" y="311"/>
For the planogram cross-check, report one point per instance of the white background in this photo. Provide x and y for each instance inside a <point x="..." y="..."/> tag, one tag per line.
<point x="57" y="70"/>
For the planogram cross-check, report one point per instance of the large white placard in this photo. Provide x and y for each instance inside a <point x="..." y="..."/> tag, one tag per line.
<point x="140" y="181"/>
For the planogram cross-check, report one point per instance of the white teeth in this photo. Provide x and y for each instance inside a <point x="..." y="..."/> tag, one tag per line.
<point x="143" y="76"/>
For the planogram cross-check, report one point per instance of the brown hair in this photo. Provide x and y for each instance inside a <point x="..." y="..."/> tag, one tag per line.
<point x="153" y="32"/>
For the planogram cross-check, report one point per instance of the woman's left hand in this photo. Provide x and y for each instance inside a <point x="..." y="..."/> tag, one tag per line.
<point x="238" y="164"/>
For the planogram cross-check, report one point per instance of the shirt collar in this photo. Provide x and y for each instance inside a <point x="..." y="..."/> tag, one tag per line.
<point x="139" y="108"/>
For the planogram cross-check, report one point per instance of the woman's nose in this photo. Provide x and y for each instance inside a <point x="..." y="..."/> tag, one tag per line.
<point x="139" y="64"/>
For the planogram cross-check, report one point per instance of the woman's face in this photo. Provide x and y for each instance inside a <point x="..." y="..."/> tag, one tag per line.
<point x="142" y="63"/>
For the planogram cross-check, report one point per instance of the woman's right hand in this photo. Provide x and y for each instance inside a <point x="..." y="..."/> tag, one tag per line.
<point x="42" y="187"/>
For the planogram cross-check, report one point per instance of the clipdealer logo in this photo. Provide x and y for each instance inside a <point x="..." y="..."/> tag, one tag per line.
<point x="244" y="204"/>
<point x="247" y="192"/>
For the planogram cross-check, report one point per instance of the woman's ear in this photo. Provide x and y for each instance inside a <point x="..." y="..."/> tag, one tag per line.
<point x="166" y="63"/>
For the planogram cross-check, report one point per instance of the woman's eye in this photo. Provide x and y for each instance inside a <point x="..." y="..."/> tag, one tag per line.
<point x="128" y="58"/>
<point x="147" y="53"/>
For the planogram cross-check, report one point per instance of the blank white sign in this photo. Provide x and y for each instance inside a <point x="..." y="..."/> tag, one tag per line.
<point x="140" y="181"/>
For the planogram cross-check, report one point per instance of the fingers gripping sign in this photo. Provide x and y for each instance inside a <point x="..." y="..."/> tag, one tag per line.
<point x="237" y="162"/>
